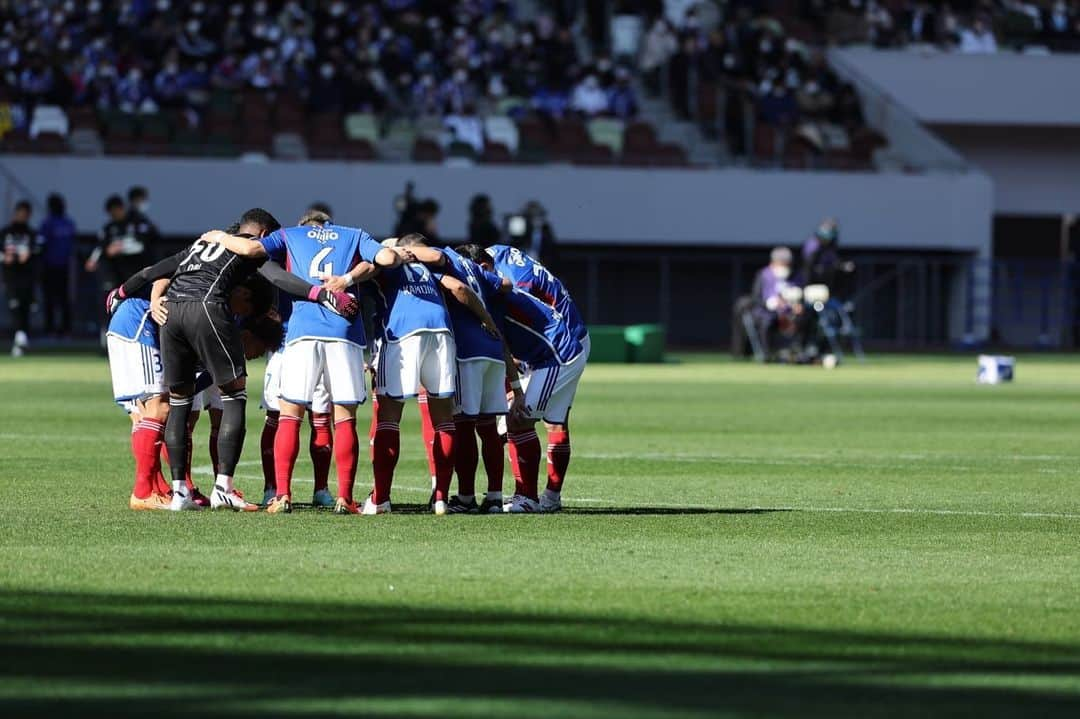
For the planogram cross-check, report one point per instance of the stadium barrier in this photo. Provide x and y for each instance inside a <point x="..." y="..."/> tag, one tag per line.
<point x="627" y="344"/>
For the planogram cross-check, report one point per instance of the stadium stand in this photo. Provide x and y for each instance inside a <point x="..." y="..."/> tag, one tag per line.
<point x="485" y="80"/>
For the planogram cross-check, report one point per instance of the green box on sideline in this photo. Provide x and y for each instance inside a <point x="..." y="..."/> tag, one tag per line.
<point x="636" y="343"/>
<point x="608" y="344"/>
<point x="646" y="342"/>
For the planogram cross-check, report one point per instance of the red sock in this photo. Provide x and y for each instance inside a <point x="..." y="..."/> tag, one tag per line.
<point x="525" y="460"/>
<point x="491" y="448"/>
<point x="286" y="449"/>
<point x="386" y="448"/>
<point x="558" y="459"/>
<point x="347" y="453"/>
<point x="374" y="424"/>
<point x="213" y="449"/>
<point x="443" y="450"/>
<point x="321" y="447"/>
<point x="467" y="456"/>
<point x="161" y="485"/>
<point x="145" y="437"/>
<point x="428" y="431"/>
<point x="266" y="450"/>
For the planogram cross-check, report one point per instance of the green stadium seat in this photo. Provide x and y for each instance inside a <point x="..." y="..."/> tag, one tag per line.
<point x="362" y="126"/>
<point x="608" y="133"/>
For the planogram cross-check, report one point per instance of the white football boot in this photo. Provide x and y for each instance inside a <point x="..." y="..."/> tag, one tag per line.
<point x="183" y="502"/>
<point x="371" y="509"/>
<point x="232" y="499"/>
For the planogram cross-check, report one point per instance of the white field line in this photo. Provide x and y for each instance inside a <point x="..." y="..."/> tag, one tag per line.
<point x="855" y="510"/>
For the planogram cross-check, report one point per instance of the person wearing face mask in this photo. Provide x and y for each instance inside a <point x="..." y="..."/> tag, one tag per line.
<point x="821" y="261"/>
<point x="144" y="232"/>
<point x="778" y="319"/>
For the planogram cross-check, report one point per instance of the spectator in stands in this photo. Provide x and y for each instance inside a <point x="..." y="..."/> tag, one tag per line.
<point x="979" y="38"/>
<point x="466" y="129"/>
<point x="482" y="228"/>
<point x="918" y="23"/>
<point x="679" y="77"/>
<point x="622" y="100"/>
<point x="21" y="246"/>
<point x="659" y="45"/>
<point x="777" y="107"/>
<point x="133" y="93"/>
<point x="589" y="98"/>
<point x="58" y="235"/>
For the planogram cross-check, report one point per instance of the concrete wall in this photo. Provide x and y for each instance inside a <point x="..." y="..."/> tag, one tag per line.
<point x="1035" y="171"/>
<point x="950" y="211"/>
<point x="1001" y="89"/>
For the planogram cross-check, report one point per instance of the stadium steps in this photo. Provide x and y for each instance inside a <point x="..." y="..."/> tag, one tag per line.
<point x="699" y="149"/>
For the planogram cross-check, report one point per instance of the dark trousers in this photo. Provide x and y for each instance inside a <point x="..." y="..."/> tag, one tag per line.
<point x="20" y="296"/>
<point x="57" y="295"/>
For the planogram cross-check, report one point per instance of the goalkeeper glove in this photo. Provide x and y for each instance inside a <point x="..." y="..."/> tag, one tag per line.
<point x="341" y="303"/>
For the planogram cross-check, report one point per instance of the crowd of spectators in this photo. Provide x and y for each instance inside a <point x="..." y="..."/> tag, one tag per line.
<point x="732" y="69"/>
<point x="402" y="57"/>
<point x="966" y="26"/>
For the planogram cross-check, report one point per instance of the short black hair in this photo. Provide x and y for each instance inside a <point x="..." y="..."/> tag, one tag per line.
<point x="23" y="205"/>
<point x="411" y="240"/>
<point x="267" y="328"/>
<point x="263" y="294"/>
<point x="113" y="201"/>
<point x="262" y="218"/>
<point x="319" y="206"/>
<point x="473" y="252"/>
<point x="429" y="206"/>
<point x="56" y="204"/>
<point x="137" y="192"/>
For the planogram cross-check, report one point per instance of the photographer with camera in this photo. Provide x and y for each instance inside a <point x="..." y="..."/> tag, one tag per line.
<point x="530" y="232"/>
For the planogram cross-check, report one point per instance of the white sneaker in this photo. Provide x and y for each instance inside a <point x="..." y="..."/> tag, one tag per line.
<point x="371" y="509"/>
<point x="520" y="504"/>
<point x="550" y="501"/>
<point x="220" y="499"/>
<point x="438" y="507"/>
<point x="182" y="502"/>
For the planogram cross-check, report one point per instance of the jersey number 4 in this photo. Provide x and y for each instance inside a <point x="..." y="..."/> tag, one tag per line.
<point x="318" y="270"/>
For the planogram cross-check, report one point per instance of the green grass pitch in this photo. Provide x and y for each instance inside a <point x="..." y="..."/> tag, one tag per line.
<point x="886" y="539"/>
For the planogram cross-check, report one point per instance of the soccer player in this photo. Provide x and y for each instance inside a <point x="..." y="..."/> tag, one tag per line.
<point x="21" y="246"/>
<point x="417" y="351"/>
<point x="544" y="330"/>
<point x="321" y="347"/>
<point x="484" y="370"/>
<point x="201" y="332"/>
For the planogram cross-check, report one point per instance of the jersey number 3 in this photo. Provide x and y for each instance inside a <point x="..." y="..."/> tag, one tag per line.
<point x="319" y="271"/>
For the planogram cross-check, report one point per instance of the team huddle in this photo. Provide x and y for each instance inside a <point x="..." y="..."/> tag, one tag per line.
<point x="476" y="335"/>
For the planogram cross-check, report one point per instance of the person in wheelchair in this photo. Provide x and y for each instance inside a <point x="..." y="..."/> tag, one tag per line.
<point x="780" y="319"/>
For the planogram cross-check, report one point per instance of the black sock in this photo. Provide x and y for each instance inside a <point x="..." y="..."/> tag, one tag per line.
<point x="176" y="438"/>
<point x="232" y="431"/>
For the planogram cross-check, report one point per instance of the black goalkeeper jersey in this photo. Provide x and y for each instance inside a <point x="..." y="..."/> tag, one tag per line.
<point x="207" y="272"/>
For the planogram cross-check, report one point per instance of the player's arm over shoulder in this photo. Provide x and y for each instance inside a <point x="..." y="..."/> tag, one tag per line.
<point x="242" y="246"/>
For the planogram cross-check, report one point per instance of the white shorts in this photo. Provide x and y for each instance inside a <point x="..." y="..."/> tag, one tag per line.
<point x="336" y="365"/>
<point x="549" y="391"/>
<point x="136" y="369"/>
<point x="320" y="401"/>
<point x="209" y="398"/>
<point x="425" y="359"/>
<point x="481" y="387"/>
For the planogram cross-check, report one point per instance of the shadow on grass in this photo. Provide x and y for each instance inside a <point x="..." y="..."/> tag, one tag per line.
<point x="645" y="510"/>
<point x="95" y="654"/>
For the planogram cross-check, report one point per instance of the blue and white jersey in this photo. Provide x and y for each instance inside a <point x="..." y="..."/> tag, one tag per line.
<point x="408" y="301"/>
<point x="535" y="331"/>
<point x="469" y="336"/>
<point x="529" y="275"/>
<point x="132" y="322"/>
<point x="313" y="254"/>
